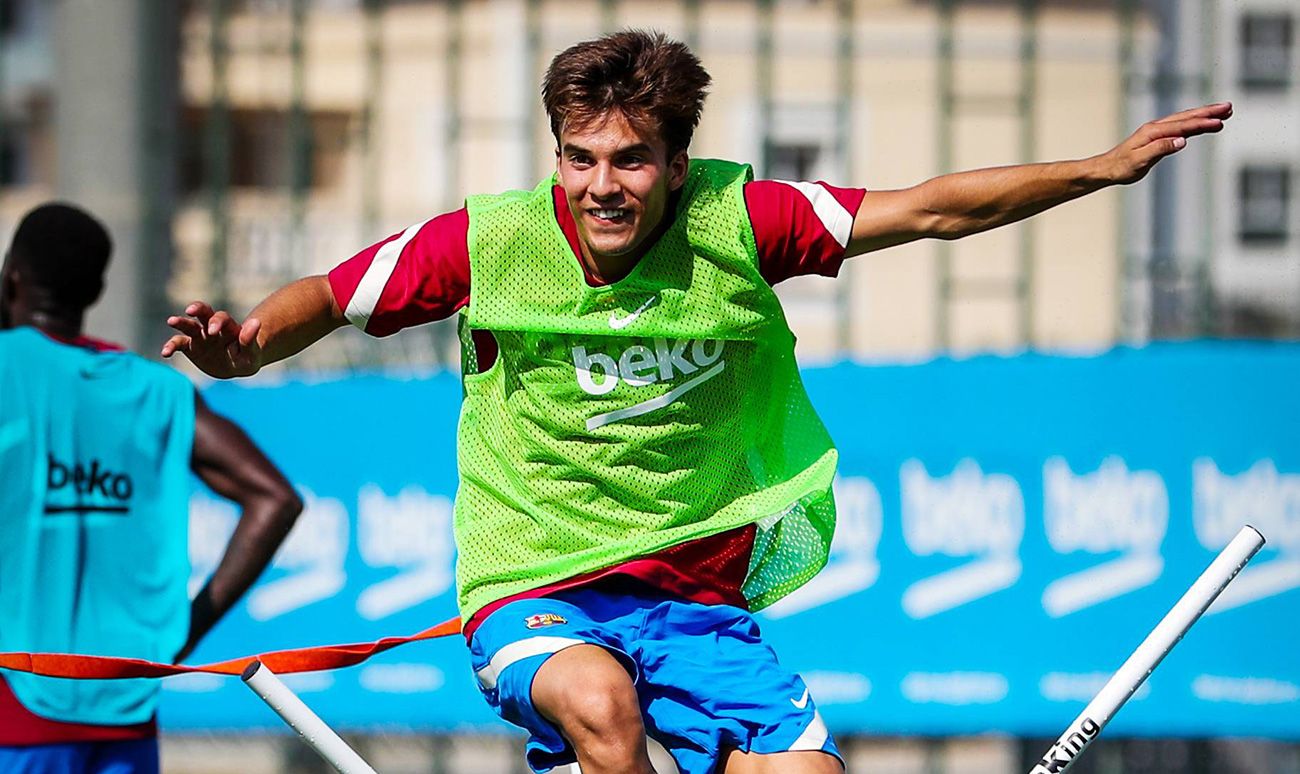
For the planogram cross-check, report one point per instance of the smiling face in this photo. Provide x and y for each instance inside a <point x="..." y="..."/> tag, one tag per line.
<point x="617" y="180"/>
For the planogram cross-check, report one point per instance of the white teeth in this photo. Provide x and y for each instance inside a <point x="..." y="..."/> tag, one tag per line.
<point x="608" y="214"/>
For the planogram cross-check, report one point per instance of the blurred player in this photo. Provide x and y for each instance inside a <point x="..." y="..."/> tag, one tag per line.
<point x="640" y="466"/>
<point x="96" y="449"/>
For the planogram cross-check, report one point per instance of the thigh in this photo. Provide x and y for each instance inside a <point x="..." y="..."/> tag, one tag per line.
<point x="713" y="691"/>
<point x="512" y="645"/>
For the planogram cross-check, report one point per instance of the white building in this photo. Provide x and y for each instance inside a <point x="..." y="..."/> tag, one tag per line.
<point x="1212" y="244"/>
<point x="1256" y="269"/>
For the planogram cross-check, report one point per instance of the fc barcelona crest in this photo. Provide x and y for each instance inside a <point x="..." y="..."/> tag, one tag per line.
<point x="544" y="619"/>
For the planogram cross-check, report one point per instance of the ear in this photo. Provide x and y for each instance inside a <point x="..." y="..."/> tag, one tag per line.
<point x="8" y="294"/>
<point x="678" y="167"/>
<point x="8" y="279"/>
<point x="559" y="171"/>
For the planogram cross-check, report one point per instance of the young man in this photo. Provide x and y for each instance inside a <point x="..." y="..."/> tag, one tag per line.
<point x="640" y="467"/>
<point x="96" y="449"/>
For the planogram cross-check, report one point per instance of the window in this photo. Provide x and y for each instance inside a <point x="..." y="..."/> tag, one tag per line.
<point x="792" y="161"/>
<point x="802" y="142"/>
<point x="1266" y="50"/>
<point x="1264" y="196"/>
<point x="27" y="143"/>
<point x="260" y="145"/>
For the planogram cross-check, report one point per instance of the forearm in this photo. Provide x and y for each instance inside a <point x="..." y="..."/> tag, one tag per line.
<point x="266" y="519"/>
<point x="970" y="202"/>
<point x="295" y="317"/>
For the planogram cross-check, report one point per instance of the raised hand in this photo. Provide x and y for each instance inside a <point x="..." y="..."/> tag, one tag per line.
<point x="215" y="342"/>
<point x="1132" y="159"/>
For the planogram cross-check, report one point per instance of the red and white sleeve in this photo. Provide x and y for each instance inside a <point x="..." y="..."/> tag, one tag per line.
<point x="411" y="278"/>
<point x="800" y="228"/>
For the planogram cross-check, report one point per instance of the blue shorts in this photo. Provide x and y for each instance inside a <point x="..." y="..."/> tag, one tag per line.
<point x="705" y="680"/>
<point x="136" y="756"/>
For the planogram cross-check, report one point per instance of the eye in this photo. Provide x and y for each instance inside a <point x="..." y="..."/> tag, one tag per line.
<point x="579" y="159"/>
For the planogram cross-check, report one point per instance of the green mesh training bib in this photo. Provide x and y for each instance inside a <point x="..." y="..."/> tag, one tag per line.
<point x="622" y="420"/>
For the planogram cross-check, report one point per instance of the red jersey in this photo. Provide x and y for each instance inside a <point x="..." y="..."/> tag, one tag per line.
<point x="423" y="274"/>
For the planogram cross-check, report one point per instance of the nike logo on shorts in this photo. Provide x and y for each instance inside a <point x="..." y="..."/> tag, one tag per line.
<point x="619" y="323"/>
<point x="803" y="700"/>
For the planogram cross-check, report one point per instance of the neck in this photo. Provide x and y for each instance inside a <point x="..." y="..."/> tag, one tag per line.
<point x="608" y="269"/>
<point x="62" y="325"/>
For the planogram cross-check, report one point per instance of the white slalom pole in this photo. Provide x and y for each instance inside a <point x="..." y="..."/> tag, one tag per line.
<point x="1085" y="728"/>
<point x="300" y="718"/>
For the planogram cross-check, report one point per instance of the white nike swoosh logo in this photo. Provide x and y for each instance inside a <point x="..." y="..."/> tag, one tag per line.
<point x="619" y="323"/>
<point x="803" y="700"/>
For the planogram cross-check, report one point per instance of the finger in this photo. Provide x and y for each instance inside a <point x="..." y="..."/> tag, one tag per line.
<point x="1158" y="149"/>
<point x="187" y="325"/>
<point x="201" y="310"/>
<point x="223" y="325"/>
<point x="248" y="333"/>
<point x="174" y="344"/>
<point x="1216" y="110"/>
<point x="1188" y="127"/>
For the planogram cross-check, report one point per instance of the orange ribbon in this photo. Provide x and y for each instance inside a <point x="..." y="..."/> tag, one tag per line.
<point x="281" y="662"/>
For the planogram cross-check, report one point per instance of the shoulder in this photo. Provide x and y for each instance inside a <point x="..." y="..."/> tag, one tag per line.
<point x="802" y="204"/>
<point x="714" y="183"/>
<point x="20" y="336"/>
<point x="479" y="204"/>
<point x="800" y="227"/>
<point x="29" y="344"/>
<point x="104" y="358"/>
<point x="717" y="174"/>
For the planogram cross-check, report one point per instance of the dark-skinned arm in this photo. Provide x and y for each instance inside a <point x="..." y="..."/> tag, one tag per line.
<point x="228" y="461"/>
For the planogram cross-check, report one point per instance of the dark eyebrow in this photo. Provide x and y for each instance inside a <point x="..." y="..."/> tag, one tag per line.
<point x="640" y="147"/>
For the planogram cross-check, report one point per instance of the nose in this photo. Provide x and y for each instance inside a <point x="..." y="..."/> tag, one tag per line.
<point x="604" y="184"/>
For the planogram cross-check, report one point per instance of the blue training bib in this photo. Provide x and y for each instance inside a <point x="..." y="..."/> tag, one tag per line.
<point x="94" y="490"/>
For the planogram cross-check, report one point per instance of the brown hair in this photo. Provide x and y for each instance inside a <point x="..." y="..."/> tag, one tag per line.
<point x="655" y="82"/>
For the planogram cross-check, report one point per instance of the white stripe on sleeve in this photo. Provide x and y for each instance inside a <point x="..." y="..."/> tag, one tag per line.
<point x="837" y="220"/>
<point x="372" y="283"/>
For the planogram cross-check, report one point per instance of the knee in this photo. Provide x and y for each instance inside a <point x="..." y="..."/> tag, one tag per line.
<point x="601" y="707"/>
<point x="588" y="693"/>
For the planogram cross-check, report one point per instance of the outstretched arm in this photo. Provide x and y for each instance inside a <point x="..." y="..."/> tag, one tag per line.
<point x="956" y="205"/>
<point x="232" y="466"/>
<point x="287" y="322"/>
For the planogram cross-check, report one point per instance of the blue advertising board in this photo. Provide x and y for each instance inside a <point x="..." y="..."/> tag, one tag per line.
<point x="1010" y="529"/>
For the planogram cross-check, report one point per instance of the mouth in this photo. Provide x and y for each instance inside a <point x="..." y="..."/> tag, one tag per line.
<point x="610" y="216"/>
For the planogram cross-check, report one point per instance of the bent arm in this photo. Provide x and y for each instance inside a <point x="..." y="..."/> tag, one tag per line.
<point x="295" y="317"/>
<point x="285" y="323"/>
<point x="228" y="461"/>
<point x="956" y="205"/>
